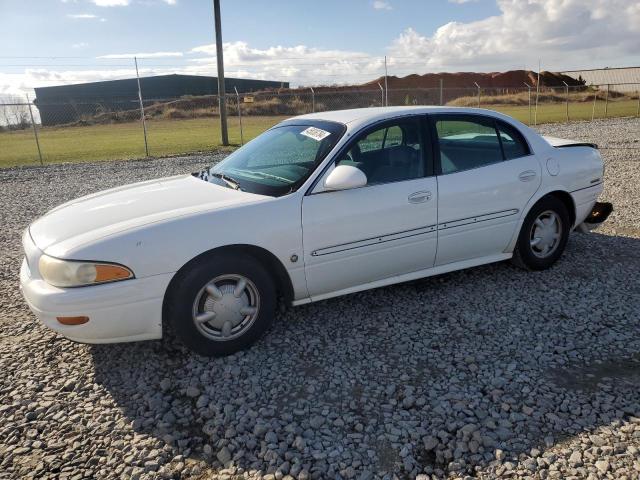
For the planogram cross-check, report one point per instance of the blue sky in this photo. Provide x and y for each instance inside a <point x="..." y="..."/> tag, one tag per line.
<point x="161" y="26"/>
<point x="309" y="43"/>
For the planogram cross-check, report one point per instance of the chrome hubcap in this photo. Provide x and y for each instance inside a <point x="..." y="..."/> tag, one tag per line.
<point x="226" y="307"/>
<point x="546" y="232"/>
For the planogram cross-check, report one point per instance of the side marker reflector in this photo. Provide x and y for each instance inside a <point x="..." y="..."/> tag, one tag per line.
<point x="72" y="320"/>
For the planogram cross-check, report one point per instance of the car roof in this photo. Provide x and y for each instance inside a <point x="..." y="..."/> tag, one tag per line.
<point x="357" y="118"/>
<point x="373" y="114"/>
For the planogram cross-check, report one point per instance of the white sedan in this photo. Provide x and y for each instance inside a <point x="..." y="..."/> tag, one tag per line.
<point x="318" y="206"/>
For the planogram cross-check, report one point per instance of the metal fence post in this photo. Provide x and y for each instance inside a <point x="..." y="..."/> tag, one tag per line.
<point x="441" y="88"/>
<point x="566" y="89"/>
<point x="35" y="130"/>
<point x="313" y="100"/>
<point x="386" y="87"/>
<point x="593" y="108"/>
<point x="529" y="87"/>
<point x="382" y="93"/>
<point x="239" y="115"/>
<point x="535" y="115"/>
<point x="606" y="101"/>
<point x="638" y="108"/>
<point x="144" y="124"/>
<point x="476" y="84"/>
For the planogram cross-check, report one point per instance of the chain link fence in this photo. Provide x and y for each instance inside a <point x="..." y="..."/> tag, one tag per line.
<point x="33" y="133"/>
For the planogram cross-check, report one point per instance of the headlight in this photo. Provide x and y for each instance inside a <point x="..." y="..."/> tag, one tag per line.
<point x="72" y="273"/>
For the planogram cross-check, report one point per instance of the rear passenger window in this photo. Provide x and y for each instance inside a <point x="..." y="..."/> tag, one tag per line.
<point x="467" y="144"/>
<point x="513" y="143"/>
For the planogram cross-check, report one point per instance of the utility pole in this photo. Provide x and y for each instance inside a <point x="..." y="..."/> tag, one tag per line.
<point x="222" y="100"/>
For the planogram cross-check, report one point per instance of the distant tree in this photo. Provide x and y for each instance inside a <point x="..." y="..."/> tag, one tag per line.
<point x="14" y="114"/>
<point x="581" y="80"/>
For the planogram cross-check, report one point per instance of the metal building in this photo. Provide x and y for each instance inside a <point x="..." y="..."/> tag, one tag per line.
<point x="625" y="79"/>
<point x="69" y="103"/>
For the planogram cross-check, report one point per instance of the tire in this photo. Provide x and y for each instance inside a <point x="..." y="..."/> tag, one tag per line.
<point x="541" y="254"/>
<point x="221" y="304"/>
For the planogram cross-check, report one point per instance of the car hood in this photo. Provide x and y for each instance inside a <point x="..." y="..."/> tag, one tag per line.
<point x="131" y="206"/>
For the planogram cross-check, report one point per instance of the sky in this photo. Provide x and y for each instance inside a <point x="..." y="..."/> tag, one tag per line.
<point x="52" y="42"/>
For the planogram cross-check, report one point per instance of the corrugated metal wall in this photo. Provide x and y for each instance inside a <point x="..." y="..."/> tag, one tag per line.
<point x="620" y="79"/>
<point x="122" y="95"/>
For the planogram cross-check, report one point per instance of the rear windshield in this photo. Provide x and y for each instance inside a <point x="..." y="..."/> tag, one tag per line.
<point x="278" y="161"/>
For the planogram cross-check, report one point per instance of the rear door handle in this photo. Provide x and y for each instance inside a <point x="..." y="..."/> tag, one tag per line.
<point x="419" y="197"/>
<point x="527" y="176"/>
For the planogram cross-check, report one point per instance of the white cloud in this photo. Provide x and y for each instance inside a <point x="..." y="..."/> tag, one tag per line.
<point x="460" y="2"/>
<point x="382" y="5"/>
<point x="299" y="64"/>
<point x="141" y="55"/>
<point x="567" y="34"/>
<point x="82" y="16"/>
<point x="111" y="3"/>
<point x="170" y="2"/>
<point x="80" y="45"/>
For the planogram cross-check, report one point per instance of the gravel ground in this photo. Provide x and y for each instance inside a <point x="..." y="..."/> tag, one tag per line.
<point x="484" y="373"/>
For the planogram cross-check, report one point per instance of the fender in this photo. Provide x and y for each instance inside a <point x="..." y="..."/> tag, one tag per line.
<point x="542" y="192"/>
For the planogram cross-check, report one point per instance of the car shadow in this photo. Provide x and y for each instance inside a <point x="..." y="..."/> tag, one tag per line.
<point x="438" y="375"/>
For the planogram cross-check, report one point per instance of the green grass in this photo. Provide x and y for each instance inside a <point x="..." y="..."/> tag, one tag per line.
<point x="125" y="140"/>
<point x="180" y="136"/>
<point x="557" y="112"/>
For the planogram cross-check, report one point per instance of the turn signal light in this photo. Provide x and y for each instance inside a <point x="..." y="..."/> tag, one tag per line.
<point x="110" y="273"/>
<point x="72" y="320"/>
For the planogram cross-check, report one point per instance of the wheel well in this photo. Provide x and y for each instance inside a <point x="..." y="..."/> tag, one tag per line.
<point x="265" y="257"/>
<point x="272" y="264"/>
<point x="567" y="200"/>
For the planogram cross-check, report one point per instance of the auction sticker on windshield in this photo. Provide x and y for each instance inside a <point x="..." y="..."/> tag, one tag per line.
<point x="315" y="133"/>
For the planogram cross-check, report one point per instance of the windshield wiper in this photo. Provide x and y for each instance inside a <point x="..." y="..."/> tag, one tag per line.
<point x="231" y="182"/>
<point x="264" y="175"/>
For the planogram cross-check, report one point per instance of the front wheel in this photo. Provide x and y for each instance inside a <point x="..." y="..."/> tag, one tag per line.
<point x="543" y="235"/>
<point x="222" y="304"/>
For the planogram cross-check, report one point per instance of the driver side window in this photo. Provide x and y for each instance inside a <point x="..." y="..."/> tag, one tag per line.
<point x="391" y="153"/>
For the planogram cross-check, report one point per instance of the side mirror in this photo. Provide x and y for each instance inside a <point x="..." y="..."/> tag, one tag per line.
<point x="345" y="177"/>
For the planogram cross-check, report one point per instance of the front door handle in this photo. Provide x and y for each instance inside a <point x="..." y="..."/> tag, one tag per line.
<point x="527" y="176"/>
<point x="419" y="197"/>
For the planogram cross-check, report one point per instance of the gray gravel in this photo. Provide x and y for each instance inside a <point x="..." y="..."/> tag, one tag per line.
<point x="482" y="373"/>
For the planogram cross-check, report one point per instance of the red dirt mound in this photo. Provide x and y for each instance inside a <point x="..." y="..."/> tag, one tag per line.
<point x="513" y="78"/>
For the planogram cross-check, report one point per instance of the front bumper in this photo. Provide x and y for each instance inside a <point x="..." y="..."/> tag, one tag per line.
<point x="124" y="311"/>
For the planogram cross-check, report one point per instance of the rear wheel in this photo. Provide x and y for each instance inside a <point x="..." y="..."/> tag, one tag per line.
<point x="221" y="304"/>
<point x="543" y="236"/>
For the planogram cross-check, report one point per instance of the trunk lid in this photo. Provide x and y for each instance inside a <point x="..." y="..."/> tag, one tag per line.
<point x="563" y="142"/>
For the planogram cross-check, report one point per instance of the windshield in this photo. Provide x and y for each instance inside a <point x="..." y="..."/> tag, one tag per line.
<point x="278" y="161"/>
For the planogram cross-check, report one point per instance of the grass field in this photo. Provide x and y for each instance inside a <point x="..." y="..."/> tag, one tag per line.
<point x="180" y="136"/>
<point x="125" y="140"/>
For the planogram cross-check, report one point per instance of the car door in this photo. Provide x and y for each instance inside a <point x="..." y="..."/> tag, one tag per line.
<point x="386" y="228"/>
<point x="486" y="176"/>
